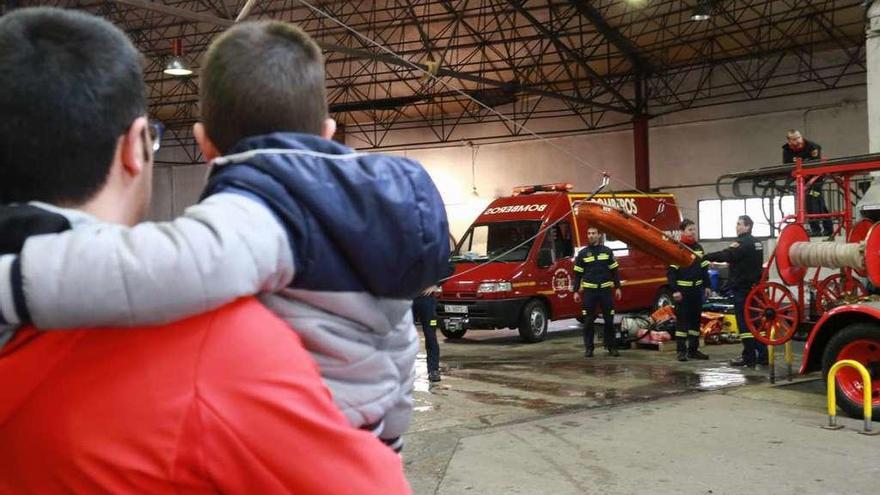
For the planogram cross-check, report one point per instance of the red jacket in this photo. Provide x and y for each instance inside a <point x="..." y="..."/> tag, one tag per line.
<point x="227" y="401"/>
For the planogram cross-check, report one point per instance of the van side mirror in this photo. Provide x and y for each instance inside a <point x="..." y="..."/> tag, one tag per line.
<point x="545" y="258"/>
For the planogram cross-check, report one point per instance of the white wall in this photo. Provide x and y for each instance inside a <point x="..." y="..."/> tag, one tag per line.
<point x="696" y="147"/>
<point x="498" y="168"/>
<point x="175" y="187"/>
<point x="687" y="148"/>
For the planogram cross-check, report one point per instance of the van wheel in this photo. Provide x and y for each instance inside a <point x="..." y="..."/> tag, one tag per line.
<point x="533" y="322"/>
<point x="663" y="298"/>
<point x="859" y="342"/>
<point x="453" y="334"/>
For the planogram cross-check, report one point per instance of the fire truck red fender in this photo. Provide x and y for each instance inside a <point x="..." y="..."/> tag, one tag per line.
<point x="635" y="232"/>
<point x="831" y="322"/>
<point x="847" y="332"/>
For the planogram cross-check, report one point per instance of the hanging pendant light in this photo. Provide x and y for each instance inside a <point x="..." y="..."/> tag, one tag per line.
<point x="702" y="12"/>
<point x="176" y="65"/>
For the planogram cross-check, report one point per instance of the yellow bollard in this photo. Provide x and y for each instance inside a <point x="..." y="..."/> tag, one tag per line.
<point x="771" y="362"/>
<point x="832" y="395"/>
<point x="789" y="359"/>
<point x="771" y="356"/>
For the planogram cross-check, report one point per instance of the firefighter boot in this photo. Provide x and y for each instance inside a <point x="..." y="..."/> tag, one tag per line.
<point x="681" y="348"/>
<point x="693" y="344"/>
<point x="610" y="338"/>
<point x="588" y="334"/>
<point x="740" y="362"/>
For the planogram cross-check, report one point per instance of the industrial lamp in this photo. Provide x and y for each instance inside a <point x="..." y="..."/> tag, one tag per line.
<point x="702" y="12"/>
<point x="176" y="66"/>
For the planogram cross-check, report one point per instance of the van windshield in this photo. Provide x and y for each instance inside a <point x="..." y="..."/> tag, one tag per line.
<point x="492" y="241"/>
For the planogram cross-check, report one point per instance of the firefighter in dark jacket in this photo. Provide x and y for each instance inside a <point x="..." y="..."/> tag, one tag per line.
<point x="688" y="285"/>
<point x="746" y="258"/>
<point x="424" y="310"/>
<point x="798" y="147"/>
<point x="595" y="272"/>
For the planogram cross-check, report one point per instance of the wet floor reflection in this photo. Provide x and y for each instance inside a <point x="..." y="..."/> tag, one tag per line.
<point x="536" y="380"/>
<point x="421" y="383"/>
<point x="496" y="368"/>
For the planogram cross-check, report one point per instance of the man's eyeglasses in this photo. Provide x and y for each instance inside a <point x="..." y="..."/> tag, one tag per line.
<point x="156" y="130"/>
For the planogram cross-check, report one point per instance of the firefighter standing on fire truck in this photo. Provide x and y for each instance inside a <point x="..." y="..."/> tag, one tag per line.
<point x="797" y="147"/>
<point x="688" y="284"/>
<point x="596" y="273"/>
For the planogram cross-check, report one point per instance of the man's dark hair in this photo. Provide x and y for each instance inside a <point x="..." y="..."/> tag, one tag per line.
<point x="687" y="222"/>
<point x="262" y="77"/>
<point x="70" y="85"/>
<point x="747" y="221"/>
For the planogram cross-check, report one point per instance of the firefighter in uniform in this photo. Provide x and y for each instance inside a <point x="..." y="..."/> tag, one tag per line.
<point x="746" y="257"/>
<point x="688" y="285"/>
<point x="596" y="273"/>
<point x="798" y="147"/>
<point x="424" y="310"/>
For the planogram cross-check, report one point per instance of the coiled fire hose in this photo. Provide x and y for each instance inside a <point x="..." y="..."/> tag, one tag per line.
<point x="828" y="255"/>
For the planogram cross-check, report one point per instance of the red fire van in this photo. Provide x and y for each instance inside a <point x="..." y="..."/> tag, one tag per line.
<point x="530" y="285"/>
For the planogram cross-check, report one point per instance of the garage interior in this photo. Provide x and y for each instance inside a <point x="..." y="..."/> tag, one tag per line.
<point x="661" y="96"/>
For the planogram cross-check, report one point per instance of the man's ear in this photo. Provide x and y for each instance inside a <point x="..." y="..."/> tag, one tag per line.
<point x="136" y="149"/>
<point x="209" y="150"/>
<point x="329" y="129"/>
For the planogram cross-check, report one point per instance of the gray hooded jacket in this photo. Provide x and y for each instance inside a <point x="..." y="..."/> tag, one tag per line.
<point x="240" y="241"/>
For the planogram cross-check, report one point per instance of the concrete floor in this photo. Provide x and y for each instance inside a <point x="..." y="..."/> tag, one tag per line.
<point x="510" y="417"/>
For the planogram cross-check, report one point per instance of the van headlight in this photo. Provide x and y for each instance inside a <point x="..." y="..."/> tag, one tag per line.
<point x="488" y="287"/>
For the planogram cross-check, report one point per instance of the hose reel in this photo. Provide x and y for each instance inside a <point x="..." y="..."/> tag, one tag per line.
<point x="795" y="254"/>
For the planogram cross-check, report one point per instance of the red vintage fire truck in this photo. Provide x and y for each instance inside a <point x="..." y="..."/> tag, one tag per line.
<point x="513" y="266"/>
<point x="844" y="321"/>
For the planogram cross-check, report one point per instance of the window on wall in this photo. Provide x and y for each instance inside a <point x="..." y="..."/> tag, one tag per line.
<point x="782" y="207"/>
<point x="760" y="209"/>
<point x="717" y="218"/>
<point x="730" y="211"/>
<point x="710" y="218"/>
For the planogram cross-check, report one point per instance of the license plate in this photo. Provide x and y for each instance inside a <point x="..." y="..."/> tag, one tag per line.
<point x="455" y="308"/>
<point x="453" y="324"/>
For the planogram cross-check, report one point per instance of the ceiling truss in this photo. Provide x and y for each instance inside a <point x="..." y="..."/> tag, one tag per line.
<point x="587" y="64"/>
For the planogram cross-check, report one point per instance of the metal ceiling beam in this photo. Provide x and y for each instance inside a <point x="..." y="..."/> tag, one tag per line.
<point x="748" y="57"/>
<point x="379" y="57"/>
<point x="621" y="42"/>
<point x="178" y="12"/>
<point x="574" y="56"/>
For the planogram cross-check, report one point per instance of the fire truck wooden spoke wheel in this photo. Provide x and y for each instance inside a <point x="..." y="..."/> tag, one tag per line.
<point x="769" y="306"/>
<point x="836" y="287"/>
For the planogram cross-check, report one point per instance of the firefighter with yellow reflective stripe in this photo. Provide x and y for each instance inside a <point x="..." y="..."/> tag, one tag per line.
<point x="596" y="273"/>
<point x="688" y="285"/>
<point x="746" y="258"/>
<point x="424" y="310"/>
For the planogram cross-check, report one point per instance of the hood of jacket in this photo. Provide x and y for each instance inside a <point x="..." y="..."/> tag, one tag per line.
<point x="355" y="221"/>
<point x="18" y="222"/>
